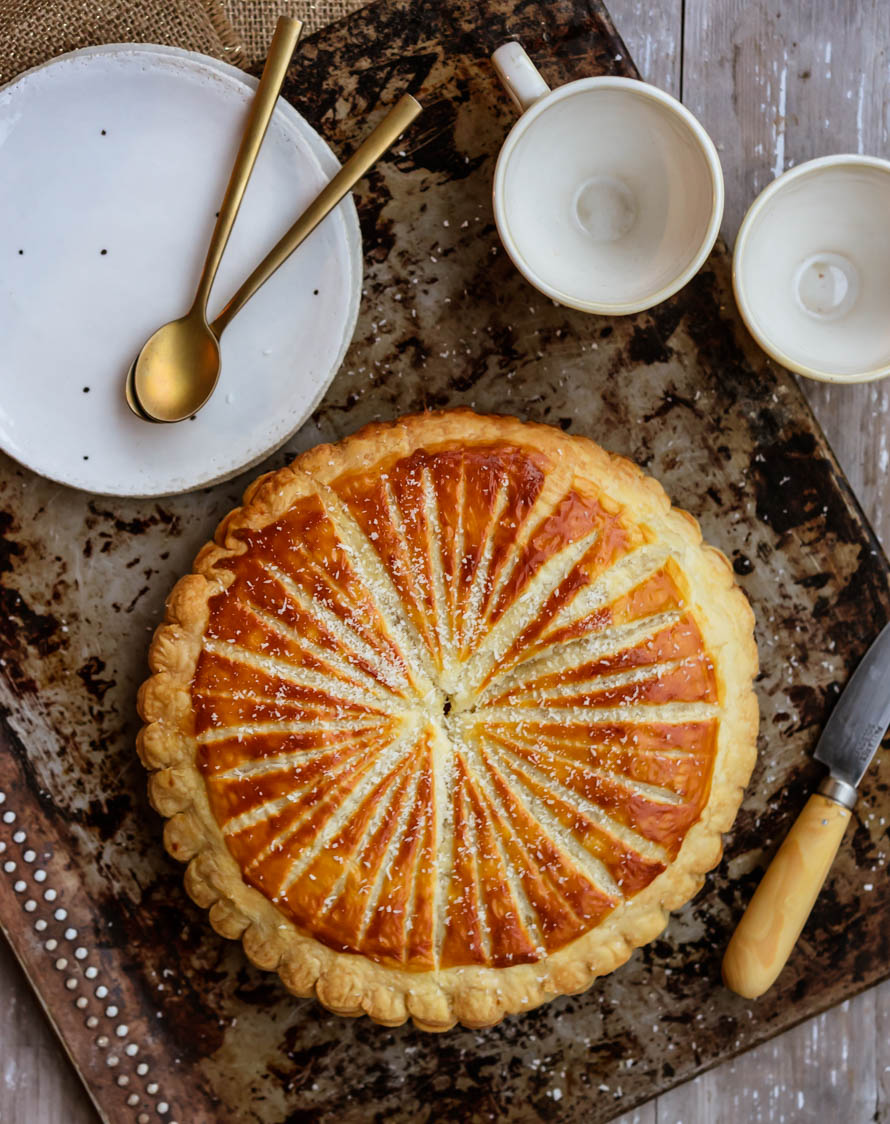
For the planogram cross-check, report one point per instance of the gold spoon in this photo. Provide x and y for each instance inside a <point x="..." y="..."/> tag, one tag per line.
<point x="188" y="372"/>
<point x="152" y="384"/>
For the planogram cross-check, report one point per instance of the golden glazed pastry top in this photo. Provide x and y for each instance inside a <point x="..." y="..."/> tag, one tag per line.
<point x="448" y="715"/>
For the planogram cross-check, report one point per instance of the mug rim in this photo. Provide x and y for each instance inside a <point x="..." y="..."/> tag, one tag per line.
<point x="705" y="144"/>
<point x="801" y="171"/>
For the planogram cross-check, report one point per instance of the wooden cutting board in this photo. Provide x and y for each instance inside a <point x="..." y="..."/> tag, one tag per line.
<point x="163" y="1017"/>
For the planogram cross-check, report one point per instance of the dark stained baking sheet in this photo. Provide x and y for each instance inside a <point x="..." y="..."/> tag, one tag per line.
<point x="164" y="1019"/>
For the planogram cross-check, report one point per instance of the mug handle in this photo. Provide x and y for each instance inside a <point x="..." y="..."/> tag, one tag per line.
<point x="519" y="75"/>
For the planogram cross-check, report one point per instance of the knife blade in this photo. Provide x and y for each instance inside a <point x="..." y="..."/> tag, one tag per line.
<point x="860" y="718"/>
<point x="776" y="914"/>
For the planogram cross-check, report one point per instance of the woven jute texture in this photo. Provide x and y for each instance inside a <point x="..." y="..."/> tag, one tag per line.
<point x="32" y="31"/>
<point x="254" y="20"/>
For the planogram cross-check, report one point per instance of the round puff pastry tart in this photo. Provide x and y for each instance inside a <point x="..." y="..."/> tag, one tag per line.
<point x="448" y="715"/>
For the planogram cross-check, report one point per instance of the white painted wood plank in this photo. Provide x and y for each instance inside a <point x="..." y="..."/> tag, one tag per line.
<point x="820" y="1071"/>
<point x="38" y="1084"/>
<point x="882" y="1052"/>
<point x="652" y="33"/>
<point x="777" y="84"/>
<point x="645" y="1114"/>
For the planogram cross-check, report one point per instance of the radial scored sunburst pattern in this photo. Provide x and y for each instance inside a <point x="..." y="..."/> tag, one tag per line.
<point x="454" y="711"/>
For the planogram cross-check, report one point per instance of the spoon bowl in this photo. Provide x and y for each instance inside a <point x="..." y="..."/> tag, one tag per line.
<point x="130" y="394"/>
<point x="176" y="371"/>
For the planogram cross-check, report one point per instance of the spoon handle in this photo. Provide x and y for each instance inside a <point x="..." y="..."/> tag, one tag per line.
<point x="284" y="41"/>
<point x="371" y="149"/>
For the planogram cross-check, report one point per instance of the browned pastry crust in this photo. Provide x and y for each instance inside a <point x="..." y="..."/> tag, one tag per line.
<point x="448" y="716"/>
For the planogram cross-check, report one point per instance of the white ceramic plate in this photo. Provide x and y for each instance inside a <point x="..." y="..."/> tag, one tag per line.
<point x="113" y="162"/>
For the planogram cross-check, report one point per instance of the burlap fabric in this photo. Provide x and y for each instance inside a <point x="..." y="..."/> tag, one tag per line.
<point x="254" y="20"/>
<point x="32" y="31"/>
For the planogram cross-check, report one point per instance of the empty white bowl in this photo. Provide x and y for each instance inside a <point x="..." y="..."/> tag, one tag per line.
<point x="811" y="269"/>
<point x="608" y="193"/>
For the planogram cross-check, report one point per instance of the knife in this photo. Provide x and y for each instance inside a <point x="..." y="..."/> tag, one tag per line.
<point x="782" y="902"/>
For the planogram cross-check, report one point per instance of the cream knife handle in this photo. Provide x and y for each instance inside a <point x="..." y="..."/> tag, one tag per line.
<point x="777" y="913"/>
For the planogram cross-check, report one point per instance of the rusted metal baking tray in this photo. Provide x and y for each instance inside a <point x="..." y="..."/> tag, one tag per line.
<point x="165" y="1020"/>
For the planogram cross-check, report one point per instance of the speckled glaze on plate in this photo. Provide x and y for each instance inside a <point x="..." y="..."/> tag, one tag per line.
<point x="114" y="161"/>
<point x="447" y="320"/>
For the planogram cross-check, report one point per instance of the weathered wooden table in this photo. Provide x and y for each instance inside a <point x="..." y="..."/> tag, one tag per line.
<point x="775" y="84"/>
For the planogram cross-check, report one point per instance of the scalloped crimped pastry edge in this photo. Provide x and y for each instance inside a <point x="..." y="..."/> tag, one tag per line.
<point x="350" y="984"/>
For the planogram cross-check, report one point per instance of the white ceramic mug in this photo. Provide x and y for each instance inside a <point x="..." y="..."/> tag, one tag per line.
<point x="608" y="193"/>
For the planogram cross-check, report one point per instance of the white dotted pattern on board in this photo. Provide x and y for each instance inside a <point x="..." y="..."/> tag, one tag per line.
<point x="108" y="1043"/>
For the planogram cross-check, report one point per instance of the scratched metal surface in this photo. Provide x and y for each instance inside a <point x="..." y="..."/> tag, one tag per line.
<point x="446" y="320"/>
